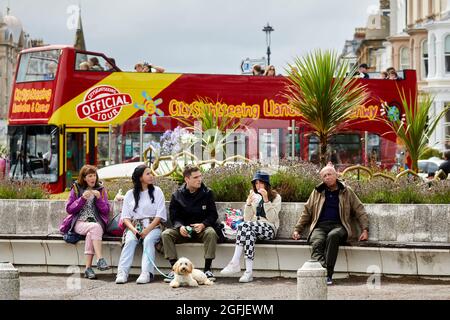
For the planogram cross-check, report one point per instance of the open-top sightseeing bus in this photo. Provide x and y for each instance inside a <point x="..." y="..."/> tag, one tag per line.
<point x="62" y="117"/>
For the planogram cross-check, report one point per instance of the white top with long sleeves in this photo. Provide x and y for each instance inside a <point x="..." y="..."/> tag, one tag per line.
<point x="146" y="208"/>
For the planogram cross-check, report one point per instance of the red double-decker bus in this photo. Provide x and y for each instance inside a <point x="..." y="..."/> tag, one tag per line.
<point x="65" y="112"/>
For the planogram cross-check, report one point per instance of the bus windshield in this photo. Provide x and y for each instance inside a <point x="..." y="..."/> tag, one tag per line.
<point x="34" y="153"/>
<point x="38" y="66"/>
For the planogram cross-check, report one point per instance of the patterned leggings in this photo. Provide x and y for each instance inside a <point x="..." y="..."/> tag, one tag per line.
<point x="249" y="231"/>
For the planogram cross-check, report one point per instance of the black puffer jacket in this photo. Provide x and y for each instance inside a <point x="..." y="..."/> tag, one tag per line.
<point x="187" y="208"/>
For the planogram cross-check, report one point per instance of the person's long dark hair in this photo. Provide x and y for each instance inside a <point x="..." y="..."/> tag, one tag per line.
<point x="271" y="193"/>
<point x="137" y="185"/>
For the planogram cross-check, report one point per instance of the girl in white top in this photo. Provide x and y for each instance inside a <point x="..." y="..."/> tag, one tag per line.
<point x="143" y="210"/>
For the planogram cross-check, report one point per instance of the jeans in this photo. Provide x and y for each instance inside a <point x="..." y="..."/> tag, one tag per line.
<point x="126" y="257"/>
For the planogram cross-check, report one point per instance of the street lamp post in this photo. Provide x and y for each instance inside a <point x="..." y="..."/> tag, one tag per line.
<point x="268" y="29"/>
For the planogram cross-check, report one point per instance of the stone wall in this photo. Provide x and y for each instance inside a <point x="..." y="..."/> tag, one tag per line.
<point x="388" y="222"/>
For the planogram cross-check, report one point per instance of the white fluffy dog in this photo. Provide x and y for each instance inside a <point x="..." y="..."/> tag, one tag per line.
<point x="186" y="275"/>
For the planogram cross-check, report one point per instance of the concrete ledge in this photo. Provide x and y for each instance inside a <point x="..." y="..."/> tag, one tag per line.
<point x="436" y="262"/>
<point x="55" y="256"/>
<point x="387" y="222"/>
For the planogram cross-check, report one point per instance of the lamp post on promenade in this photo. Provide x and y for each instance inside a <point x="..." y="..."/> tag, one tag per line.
<point x="268" y="29"/>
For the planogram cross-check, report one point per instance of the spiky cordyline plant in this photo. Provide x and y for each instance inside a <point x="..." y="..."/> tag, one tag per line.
<point x="415" y="127"/>
<point x="325" y="93"/>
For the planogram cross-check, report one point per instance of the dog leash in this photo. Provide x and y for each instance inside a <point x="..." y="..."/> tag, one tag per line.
<point x="151" y="260"/>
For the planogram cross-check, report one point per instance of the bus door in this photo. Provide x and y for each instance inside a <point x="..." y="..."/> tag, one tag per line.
<point x="77" y="152"/>
<point x="101" y="147"/>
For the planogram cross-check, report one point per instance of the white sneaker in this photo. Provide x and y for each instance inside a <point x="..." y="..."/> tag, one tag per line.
<point x="121" y="277"/>
<point x="230" y="269"/>
<point x="246" y="277"/>
<point x="144" y="277"/>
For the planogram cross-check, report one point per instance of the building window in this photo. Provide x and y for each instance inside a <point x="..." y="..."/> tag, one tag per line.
<point x="447" y="54"/>
<point x="447" y="130"/>
<point x="404" y="58"/>
<point x="424" y="59"/>
<point x="433" y="55"/>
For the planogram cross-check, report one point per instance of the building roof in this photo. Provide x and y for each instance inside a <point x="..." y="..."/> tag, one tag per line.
<point x="13" y="26"/>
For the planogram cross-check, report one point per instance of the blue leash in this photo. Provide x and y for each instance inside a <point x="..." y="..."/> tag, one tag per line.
<point x="151" y="260"/>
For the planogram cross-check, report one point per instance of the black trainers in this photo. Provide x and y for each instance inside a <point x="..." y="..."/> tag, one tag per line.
<point x="329" y="281"/>
<point x="170" y="277"/>
<point x="210" y="275"/>
<point x="102" y="265"/>
<point x="89" y="273"/>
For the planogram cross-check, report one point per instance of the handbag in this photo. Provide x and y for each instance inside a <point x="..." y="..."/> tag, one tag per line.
<point x="115" y="227"/>
<point x="71" y="237"/>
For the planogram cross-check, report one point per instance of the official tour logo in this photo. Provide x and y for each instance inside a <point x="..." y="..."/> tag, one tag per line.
<point x="103" y="104"/>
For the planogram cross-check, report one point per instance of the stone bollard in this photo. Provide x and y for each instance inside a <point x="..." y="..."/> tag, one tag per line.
<point x="9" y="282"/>
<point x="311" y="281"/>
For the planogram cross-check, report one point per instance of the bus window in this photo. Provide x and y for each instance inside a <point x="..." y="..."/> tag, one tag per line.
<point x="269" y="146"/>
<point x="343" y="149"/>
<point x="90" y="62"/>
<point x="76" y="151"/>
<point x="132" y="145"/>
<point x="102" y="149"/>
<point x="373" y="149"/>
<point x="38" y="66"/>
<point x="34" y="153"/>
<point x="236" y="145"/>
<point x="313" y="150"/>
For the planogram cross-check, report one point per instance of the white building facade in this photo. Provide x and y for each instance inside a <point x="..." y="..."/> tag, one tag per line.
<point x="12" y="40"/>
<point x="420" y="40"/>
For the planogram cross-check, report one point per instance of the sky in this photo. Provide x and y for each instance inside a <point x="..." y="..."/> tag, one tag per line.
<point x="195" y="36"/>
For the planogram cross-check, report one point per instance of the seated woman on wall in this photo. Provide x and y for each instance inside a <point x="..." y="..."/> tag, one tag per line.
<point x="261" y="221"/>
<point x="143" y="210"/>
<point x="88" y="214"/>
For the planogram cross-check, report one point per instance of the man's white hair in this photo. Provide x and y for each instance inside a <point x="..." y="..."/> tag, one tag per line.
<point x="328" y="168"/>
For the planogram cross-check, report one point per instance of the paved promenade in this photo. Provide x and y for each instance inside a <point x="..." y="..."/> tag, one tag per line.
<point x="57" y="287"/>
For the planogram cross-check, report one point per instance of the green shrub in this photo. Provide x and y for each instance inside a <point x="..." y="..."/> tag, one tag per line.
<point x="25" y="189"/>
<point x="230" y="183"/>
<point x="113" y="186"/>
<point x="406" y="190"/>
<point x="167" y="185"/>
<point x="430" y="152"/>
<point x="294" y="181"/>
<point x="439" y="192"/>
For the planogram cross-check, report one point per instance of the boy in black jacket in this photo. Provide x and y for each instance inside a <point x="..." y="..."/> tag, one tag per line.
<point x="193" y="214"/>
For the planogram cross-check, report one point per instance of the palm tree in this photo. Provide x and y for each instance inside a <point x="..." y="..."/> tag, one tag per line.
<point x="322" y="91"/>
<point x="415" y="127"/>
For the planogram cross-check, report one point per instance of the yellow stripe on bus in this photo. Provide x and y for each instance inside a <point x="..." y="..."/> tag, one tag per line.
<point x="131" y="83"/>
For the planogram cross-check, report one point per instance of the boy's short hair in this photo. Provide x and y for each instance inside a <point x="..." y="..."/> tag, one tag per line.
<point x="187" y="171"/>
